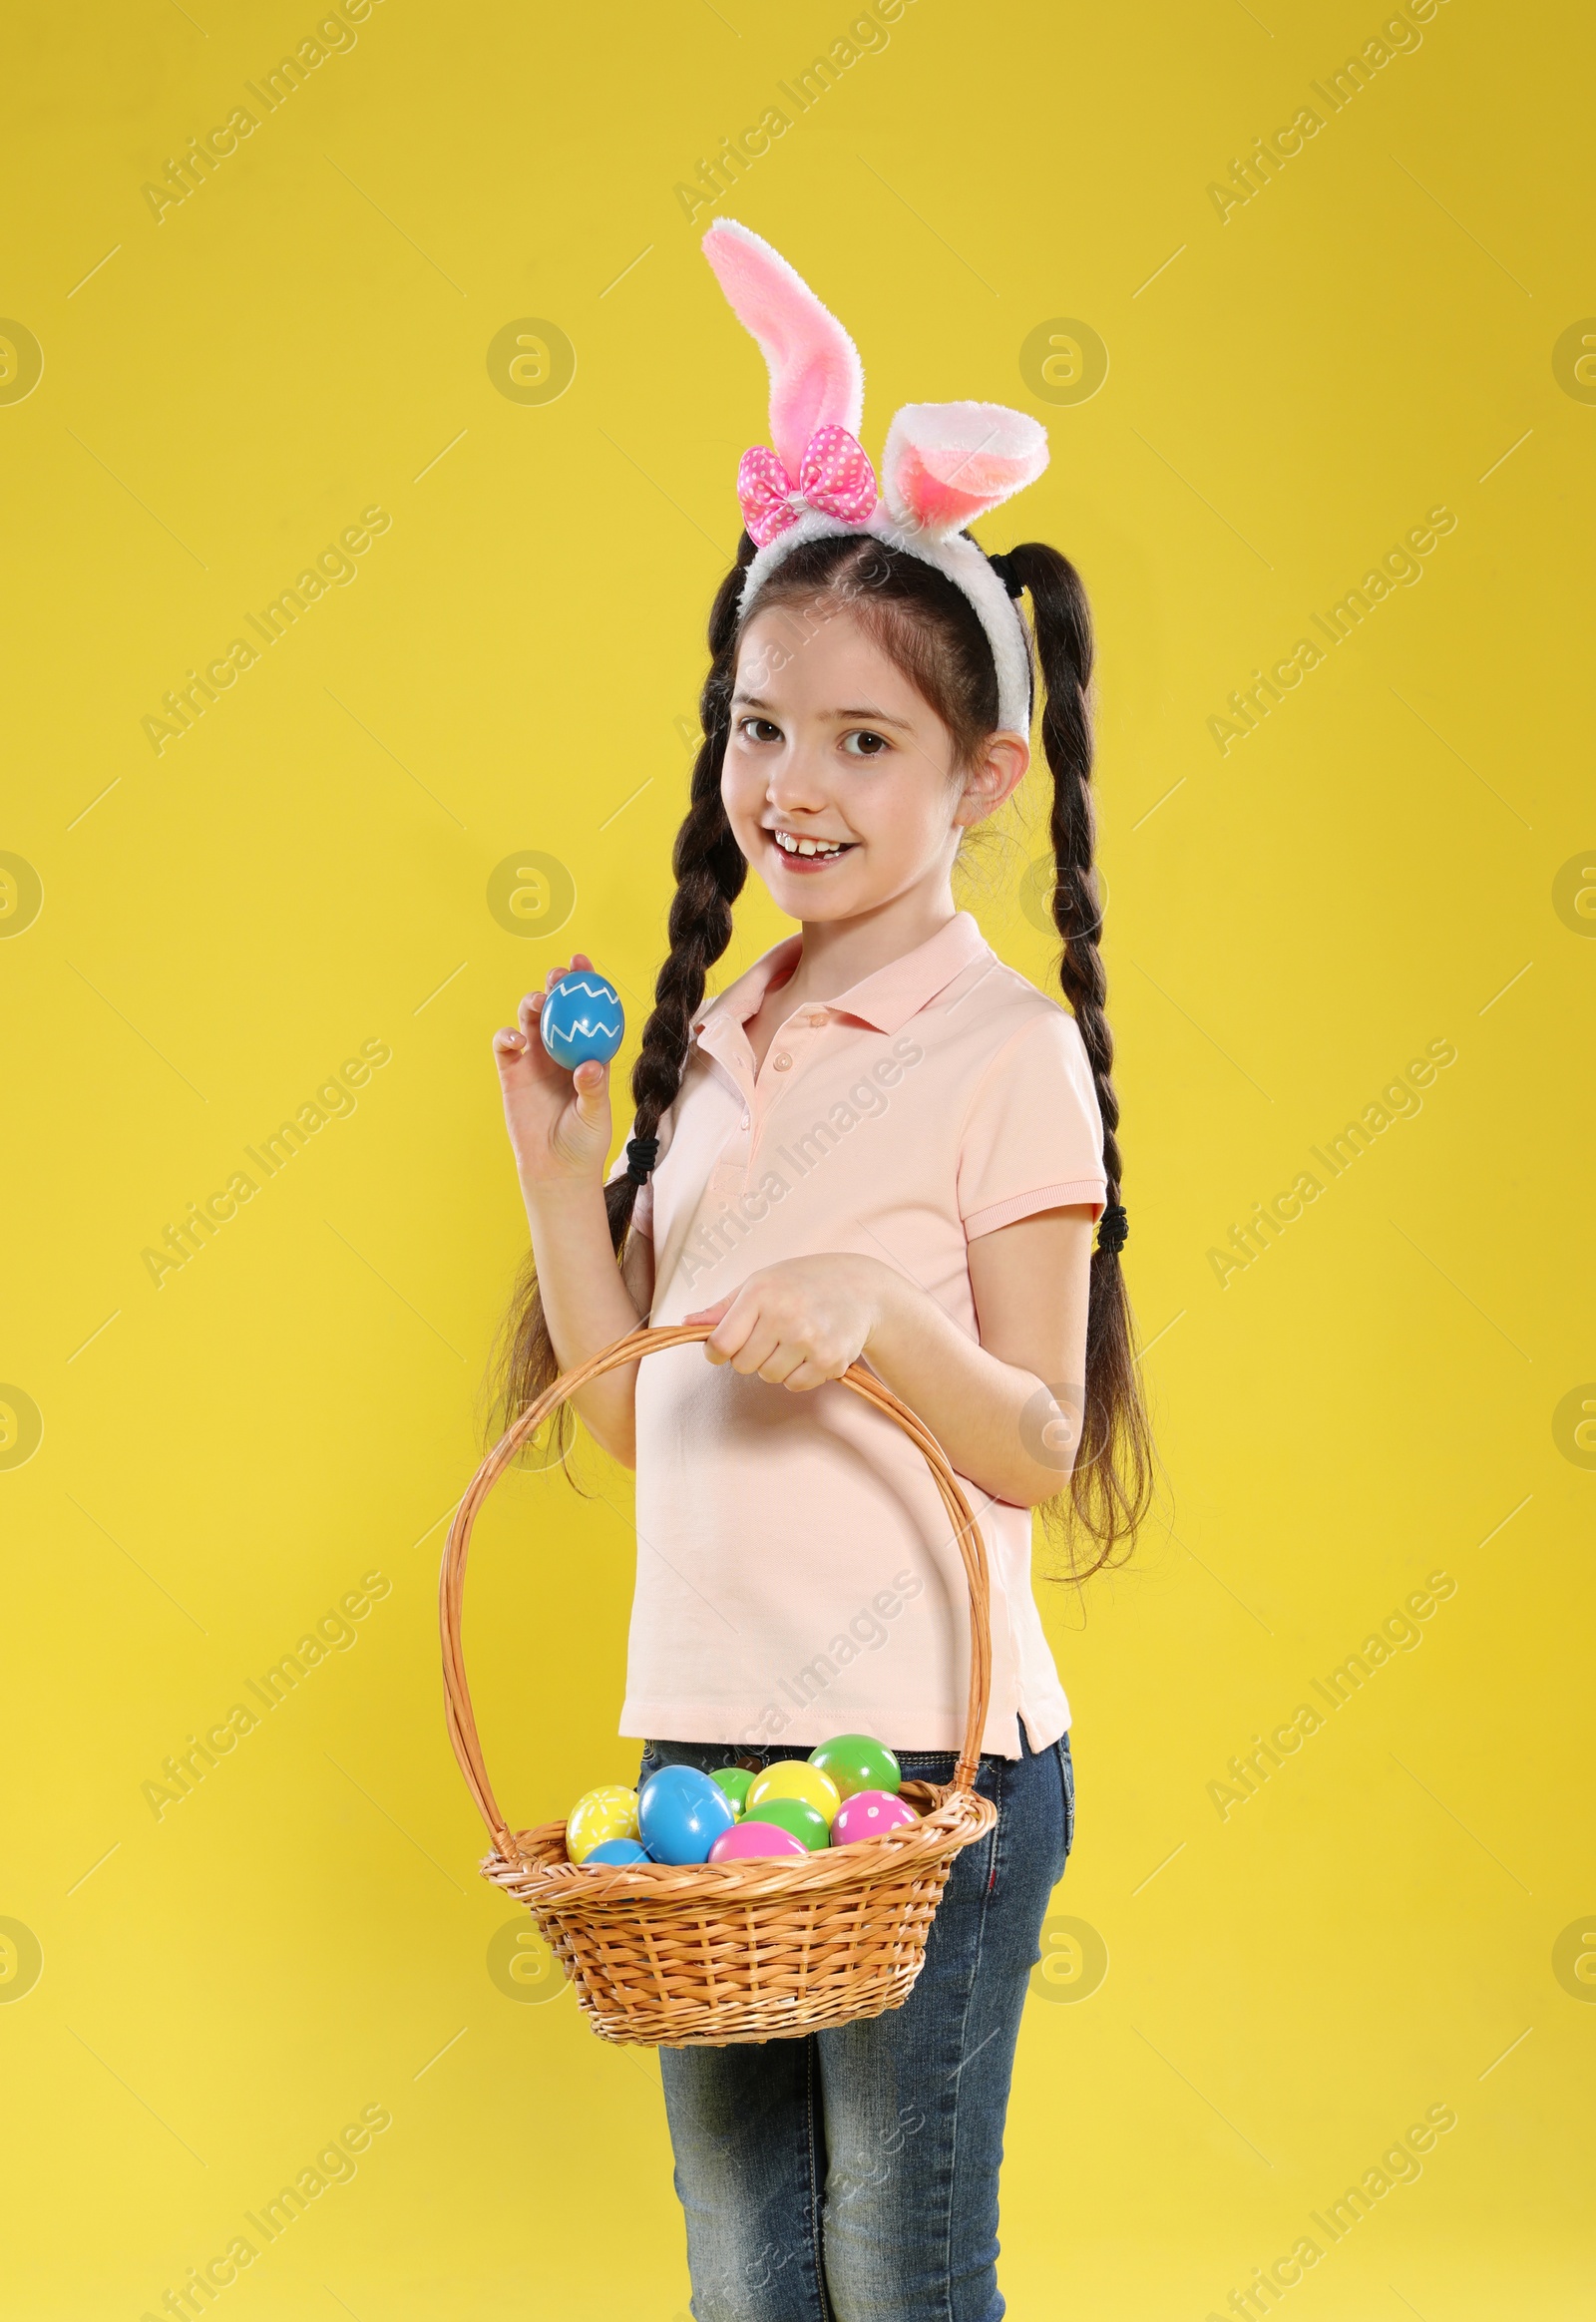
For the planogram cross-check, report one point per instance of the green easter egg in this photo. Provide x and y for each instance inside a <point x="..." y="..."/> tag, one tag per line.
<point x="797" y="1816"/>
<point x="857" y="1761"/>
<point x="734" y="1780"/>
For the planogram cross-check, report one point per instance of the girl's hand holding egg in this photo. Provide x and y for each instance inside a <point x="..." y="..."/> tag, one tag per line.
<point x="556" y="1082"/>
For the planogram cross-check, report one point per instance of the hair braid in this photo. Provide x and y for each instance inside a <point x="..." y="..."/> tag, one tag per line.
<point x="1111" y="1483"/>
<point x="711" y="872"/>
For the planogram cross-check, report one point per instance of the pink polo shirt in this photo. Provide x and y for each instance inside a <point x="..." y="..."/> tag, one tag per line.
<point x="796" y="1577"/>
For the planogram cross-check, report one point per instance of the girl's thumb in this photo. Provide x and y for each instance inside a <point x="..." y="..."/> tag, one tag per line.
<point x="590" y="1081"/>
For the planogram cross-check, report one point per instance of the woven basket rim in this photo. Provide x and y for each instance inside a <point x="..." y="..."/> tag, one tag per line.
<point x="899" y="1853"/>
<point x="894" y="1855"/>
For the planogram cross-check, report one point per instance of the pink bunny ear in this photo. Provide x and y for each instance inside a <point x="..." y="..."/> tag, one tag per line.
<point x="948" y="462"/>
<point x="816" y="378"/>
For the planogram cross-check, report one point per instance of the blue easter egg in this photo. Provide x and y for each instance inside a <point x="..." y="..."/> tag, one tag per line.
<point x="582" y="1019"/>
<point x="615" y="1851"/>
<point x="681" y="1814"/>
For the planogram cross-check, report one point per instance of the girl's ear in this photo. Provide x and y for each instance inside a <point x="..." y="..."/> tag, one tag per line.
<point x="946" y="463"/>
<point x="1002" y="765"/>
<point x="816" y="377"/>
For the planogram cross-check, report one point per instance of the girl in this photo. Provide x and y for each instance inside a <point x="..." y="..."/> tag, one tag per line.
<point x="879" y="1144"/>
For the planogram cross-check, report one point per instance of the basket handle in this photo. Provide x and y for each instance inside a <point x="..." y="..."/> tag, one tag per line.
<point x="452" y="1577"/>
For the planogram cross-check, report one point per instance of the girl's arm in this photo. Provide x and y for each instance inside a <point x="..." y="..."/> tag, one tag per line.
<point x="1008" y="1411"/>
<point x="559" y="1129"/>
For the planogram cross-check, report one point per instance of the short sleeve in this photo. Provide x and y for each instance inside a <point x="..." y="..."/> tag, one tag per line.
<point x="1033" y="1137"/>
<point x="642" y="1214"/>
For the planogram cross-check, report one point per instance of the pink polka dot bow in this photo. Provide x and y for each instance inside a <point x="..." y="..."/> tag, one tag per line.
<point x="834" y="475"/>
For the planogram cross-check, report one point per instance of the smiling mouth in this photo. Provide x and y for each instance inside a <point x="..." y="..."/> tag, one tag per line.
<point x="810" y="850"/>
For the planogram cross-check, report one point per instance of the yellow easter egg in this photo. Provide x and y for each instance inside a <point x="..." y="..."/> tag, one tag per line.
<point x="794" y="1777"/>
<point x="608" y="1813"/>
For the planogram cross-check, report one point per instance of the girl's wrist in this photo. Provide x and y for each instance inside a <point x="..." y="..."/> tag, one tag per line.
<point x="883" y="1289"/>
<point x="560" y="1196"/>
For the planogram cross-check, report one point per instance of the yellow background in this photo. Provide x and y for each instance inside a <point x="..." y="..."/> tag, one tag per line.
<point x="515" y="668"/>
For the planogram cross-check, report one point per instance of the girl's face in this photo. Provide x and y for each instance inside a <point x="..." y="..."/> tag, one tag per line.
<point x="832" y="748"/>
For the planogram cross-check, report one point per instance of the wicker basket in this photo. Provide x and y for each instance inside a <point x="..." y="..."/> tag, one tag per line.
<point x="708" y="1954"/>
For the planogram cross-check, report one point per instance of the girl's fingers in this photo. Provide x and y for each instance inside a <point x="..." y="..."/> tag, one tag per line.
<point x="578" y="960"/>
<point x="513" y="1060"/>
<point x="738" y="1316"/>
<point x="710" y="1314"/>
<point x="760" y="1345"/>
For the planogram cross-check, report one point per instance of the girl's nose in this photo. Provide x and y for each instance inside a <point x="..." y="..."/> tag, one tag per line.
<point x="796" y="785"/>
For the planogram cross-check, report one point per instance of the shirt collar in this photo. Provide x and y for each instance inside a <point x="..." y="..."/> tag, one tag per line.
<point x="887" y="999"/>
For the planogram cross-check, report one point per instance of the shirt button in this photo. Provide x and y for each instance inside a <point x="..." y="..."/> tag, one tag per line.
<point x="781" y="1062"/>
<point x="745" y="1120"/>
<point x="816" y="1015"/>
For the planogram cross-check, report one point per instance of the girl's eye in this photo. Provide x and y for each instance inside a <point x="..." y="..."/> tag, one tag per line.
<point x="758" y="729"/>
<point x="869" y="745"/>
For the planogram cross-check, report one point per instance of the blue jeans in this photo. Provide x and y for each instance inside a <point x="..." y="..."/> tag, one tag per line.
<point x="852" y="2175"/>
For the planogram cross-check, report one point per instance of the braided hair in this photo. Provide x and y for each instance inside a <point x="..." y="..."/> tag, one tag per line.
<point x="1111" y="1483"/>
<point x="927" y="629"/>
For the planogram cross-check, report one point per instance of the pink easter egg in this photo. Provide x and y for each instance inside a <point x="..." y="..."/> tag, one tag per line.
<point x="866" y="1813"/>
<point x="751" y="1841"/>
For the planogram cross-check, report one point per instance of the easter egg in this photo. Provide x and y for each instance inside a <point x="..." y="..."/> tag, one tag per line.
<point x="857" y="1761"/>
<point x="792" y="1778"/>
<point x="582" y="1019"/>
<point x="867" y="1814"/>
<point x="753" y="1841"/>
<point x="682" y="1814"/>
<point x="615" y="1851"/>
<point x="797" y="1816"/>
<point x="734" y="1780"/>
<point x="608" y="1813"/>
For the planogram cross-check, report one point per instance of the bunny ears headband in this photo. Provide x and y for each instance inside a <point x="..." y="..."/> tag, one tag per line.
<point x="944" y="463"/>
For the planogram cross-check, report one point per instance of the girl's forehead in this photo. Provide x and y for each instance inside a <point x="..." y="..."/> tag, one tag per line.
<point x="798" y="652"/>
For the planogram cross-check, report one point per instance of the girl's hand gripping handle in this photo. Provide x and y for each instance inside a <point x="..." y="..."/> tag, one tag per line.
<point x="558" y="1121"/>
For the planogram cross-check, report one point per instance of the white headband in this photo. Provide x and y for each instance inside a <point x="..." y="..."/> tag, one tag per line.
<point x="943" y="464"/>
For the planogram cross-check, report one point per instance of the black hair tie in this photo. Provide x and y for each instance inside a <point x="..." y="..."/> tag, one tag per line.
<point x="1003" y="567"/>
<point x="641" y="1154"/>
<point x="1113" y="1230"/>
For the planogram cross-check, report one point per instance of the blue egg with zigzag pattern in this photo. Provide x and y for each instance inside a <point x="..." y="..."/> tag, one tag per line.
<point x="582" y="1019"/>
